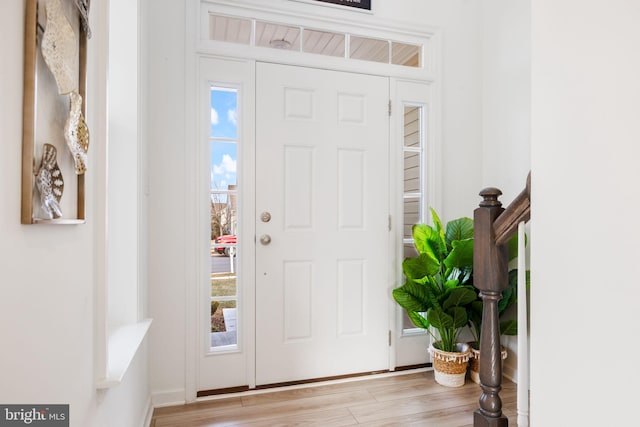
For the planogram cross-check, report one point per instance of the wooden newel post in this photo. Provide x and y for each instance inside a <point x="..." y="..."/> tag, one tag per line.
<point x="490" y="277"/>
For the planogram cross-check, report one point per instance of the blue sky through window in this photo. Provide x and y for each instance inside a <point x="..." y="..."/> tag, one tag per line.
<point x="224" y="110"/>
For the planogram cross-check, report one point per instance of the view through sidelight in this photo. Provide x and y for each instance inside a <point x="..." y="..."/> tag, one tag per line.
<point x="413" y="188"/>
<point x="223" y="149"/>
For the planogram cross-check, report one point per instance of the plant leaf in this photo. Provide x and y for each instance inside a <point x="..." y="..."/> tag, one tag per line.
<point x="458" y="297"/>
<point x="422" y="233"/>
<point x="437" y="224"/>
<point x="418" y="319"/>
<point x="477" y="308"/>
<point x="439" y="243"/>
<point x="412" y="296"/>
<point x="451" y="284"/>
<point x="435" y="292"/>
<point x="509" y="297"/>
<point x="439" y="319"/>
<point x="423" y="265"/>
<point x="459" y="229"/>
<point x="461" y="255"/>
<point x="459" y="315"/>
<point x="509" y="327"/>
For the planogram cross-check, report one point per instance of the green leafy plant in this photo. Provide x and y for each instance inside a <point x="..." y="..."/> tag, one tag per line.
<point x="438" y="282"/>
<point x="509" y="298"/>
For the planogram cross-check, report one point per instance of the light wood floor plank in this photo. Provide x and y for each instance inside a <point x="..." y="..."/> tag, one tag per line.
<point x="413" y="405"/>
<point x="330" y="418"/>
<point x="266" y="411"/>
<point x="403" y="399"/>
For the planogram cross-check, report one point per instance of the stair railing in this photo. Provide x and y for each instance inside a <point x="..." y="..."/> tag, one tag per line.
<point x="493" y="228"/>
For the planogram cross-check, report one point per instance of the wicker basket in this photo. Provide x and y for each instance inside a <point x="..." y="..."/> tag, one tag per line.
<point x="474" y="362"/>
<point x="450" y="367"/>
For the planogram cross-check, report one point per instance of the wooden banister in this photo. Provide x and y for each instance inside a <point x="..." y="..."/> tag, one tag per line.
<point x="518" y="211"/>
<point x="493" y="227"/>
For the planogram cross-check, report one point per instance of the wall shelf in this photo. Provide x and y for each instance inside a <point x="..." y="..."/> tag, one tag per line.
<point x="122" y="346"/>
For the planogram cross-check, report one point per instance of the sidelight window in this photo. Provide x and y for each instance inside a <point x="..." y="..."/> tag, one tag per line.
<point x="223" y="153"/>
<point x="413" y="186"/>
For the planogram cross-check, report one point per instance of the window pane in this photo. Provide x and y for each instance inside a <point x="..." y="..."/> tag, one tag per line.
<point x="228" y="29"/>
<point x="223" y="168"/>
<point x="411" y="216"/>
<point x="406" y="322"/>
<point x="409" y="250"/>
<point x="223" y="323"/>
<point x="224" y="113"/>
<point x="223" y="285"/>
<point x="412" y="172"/>
<point x="369" y="49"/>
<point x="412" y="126"/>
<point x="277" y="36"/>
<point x="405" y="54"/>
<point x="324" y="43"/>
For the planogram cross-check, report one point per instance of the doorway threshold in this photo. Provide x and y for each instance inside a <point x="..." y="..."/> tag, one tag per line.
<point x="292" y="385"/>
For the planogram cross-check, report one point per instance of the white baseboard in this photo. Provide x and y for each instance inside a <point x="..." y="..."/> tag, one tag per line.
<point x="510" y="372"/>
<point x="168" y="398"/>
<point x="148" y="414"/>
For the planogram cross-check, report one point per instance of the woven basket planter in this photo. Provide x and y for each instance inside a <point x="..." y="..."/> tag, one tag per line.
<point x="474" y="361"/>
<point x="450" y="368"/>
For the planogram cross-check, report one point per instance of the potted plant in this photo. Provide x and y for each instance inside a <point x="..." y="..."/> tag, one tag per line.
<point x="437" y="291"/>
<point x="507" y="326"/>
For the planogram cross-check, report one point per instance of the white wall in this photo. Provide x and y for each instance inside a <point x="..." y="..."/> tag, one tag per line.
<point x="459" y="21"/>
<point x="506" y="98"/>
<point x="122" y="193"/>
<point x="171" y="277"/>
<point x="48" y="303"/>
<point x="585" y="184"/>
<point x="506" y="111"/>
<point x="167" y="190"/>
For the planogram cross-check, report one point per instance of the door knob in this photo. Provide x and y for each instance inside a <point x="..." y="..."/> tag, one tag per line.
<point x="265" y="239"/>
<point x="265" y="216"/>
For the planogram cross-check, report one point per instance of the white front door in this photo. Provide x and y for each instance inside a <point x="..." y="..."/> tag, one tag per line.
<point x="322" y="223"/>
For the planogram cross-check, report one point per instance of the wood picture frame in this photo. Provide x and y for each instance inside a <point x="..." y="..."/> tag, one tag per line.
<point x="45" y="112"/>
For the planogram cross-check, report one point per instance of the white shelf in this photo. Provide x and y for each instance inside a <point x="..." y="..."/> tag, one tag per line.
<point x="122" y="347"/>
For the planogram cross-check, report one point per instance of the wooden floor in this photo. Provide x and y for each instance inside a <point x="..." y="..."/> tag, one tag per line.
<point x="402" y="399"/>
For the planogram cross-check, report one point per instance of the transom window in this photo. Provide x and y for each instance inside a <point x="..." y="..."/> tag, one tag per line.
<point x="252" y="32"/>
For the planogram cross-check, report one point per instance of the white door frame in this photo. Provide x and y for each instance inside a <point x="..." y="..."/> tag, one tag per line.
<point x="196" y="47"/>
<point x="240" y="362"/>
<point x="408" y="345"/>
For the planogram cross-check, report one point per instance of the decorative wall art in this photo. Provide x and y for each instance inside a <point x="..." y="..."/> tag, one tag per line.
<point x="76" y="133"/>
<point x="55" y="138"/>
<point x="59" y="46"/>
<point x="50" y="182"/>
